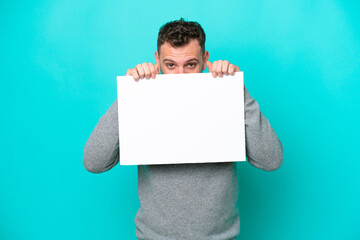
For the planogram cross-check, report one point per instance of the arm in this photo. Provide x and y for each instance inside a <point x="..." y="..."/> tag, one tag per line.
<point x="101" y="151"/>
<point x="263" y="147"/>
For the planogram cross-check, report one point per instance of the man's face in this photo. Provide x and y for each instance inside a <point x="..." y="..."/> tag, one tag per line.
<point x="184" y="59"/>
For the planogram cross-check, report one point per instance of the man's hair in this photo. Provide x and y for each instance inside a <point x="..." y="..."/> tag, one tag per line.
<point x="178" y="33"/>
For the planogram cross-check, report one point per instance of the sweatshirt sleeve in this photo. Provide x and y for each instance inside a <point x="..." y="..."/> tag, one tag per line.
<point x="263" y="147"/>
<point x="101" y="151"/>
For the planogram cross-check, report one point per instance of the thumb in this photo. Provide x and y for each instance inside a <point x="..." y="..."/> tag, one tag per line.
<point x="209" y="64"/>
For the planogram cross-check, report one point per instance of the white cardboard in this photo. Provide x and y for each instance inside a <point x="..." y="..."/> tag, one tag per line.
<point x="181" y="118"/>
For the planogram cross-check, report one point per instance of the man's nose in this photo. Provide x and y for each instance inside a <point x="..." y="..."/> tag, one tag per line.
<point x="181" y="70"/>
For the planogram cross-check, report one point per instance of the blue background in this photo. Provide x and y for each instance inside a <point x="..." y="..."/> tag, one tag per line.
<point x="59" y="61"/>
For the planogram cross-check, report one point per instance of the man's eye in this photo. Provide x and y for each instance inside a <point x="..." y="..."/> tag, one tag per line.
<point x="170" y="65"/>
<point x="192" y="65"/>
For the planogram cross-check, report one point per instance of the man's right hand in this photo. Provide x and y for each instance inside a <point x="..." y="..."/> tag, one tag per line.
<point x="145" y="70"/>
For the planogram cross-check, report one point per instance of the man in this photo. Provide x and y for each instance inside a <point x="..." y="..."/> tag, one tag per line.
<point x="186" y="201"/>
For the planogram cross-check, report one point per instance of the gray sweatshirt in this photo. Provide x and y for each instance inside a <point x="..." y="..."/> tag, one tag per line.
<point x="187" y="201"/>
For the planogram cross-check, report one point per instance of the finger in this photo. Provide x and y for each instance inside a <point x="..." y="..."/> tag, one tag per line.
<point x="219" y="68"/>
<point x="152" y="70"/>
<point x="209" y="64"/>
<point x="157" y="68"/>
<point x="225" y="67"/>
<point x="231" y="69"/>
<point x="140" y="70"/>
<point x="132" y="72"/>
<point x="135" y="75"/>
<point x="213" y="69"/>
<point x="146" y="70"/>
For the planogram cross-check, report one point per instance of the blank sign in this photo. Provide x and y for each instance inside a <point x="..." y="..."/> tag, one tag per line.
<point x="181" y="118"/>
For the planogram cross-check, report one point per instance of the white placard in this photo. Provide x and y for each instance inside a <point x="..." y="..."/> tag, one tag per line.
<point x="181" y="118"/>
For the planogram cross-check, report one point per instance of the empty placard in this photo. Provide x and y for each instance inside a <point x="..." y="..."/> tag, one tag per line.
<point x="181" y="118"/>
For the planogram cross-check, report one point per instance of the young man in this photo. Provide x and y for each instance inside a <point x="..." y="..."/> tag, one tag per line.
<point x="186" y="201"/>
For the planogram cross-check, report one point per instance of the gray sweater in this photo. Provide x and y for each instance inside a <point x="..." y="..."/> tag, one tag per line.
<point x="187" y="201"/>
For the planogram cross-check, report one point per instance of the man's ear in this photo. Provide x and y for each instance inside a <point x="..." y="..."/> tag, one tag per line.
<point x="205" y="59"/>
<point x="157" y="58"/>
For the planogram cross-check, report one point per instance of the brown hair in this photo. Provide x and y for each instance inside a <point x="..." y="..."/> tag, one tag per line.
<point x="178" y="33"/>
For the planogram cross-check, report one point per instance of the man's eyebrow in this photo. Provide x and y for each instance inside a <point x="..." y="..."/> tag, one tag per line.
<point x="193" y="59"/>
<point x="190" y="60"/>
<point x="168" y="60"/>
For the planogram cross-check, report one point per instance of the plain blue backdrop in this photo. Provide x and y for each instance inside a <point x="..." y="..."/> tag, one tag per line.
<point x="59" y="61"/>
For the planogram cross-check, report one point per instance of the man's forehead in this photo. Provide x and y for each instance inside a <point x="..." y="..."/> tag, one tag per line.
<point x="191" y="48"/>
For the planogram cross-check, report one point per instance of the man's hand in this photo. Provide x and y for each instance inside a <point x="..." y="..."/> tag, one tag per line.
<point x="145" y="70"/>
<point x="220" y="68"/>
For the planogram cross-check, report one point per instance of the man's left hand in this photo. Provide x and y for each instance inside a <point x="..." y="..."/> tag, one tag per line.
<point x="220" y="68"/>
